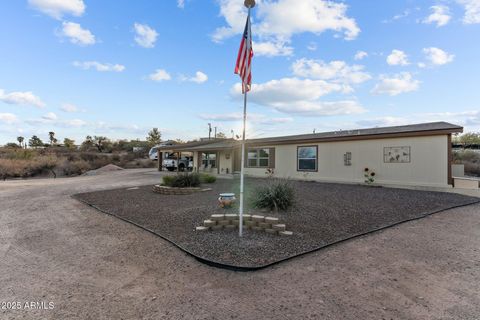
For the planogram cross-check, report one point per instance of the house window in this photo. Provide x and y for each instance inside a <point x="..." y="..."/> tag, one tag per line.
<point x="307" y="158"/>
<point x="258" y="158"/>
<point x="347" y="159"/>
<point x="209" y="160"/>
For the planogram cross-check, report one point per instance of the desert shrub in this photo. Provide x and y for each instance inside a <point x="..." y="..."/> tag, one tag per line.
<point x="472" y="168"/>
<point x="276" y="195"/>
<point x="207" y="178"/>
<point x="100" y="162"/>
<point x="11" y="168"/>
<point x="89" y="156"/>
<point x="22" y="168"/>
<point x="470" y="159"/>
<point x="76" y="167"/>
<point x="21" y="154"/>
<point x="185" y="180"/>
<point x="466" y="156"/>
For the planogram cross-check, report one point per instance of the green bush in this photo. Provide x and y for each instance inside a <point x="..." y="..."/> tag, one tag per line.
<point x="207" y="178"/>
<point x="185" y="180"/>
<point x="168" y="180"/>
<point x="276" y="195"/>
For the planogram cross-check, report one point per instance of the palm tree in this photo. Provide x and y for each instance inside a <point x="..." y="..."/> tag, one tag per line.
<point x="20" y="141"/>
<point x="51" y="136"/>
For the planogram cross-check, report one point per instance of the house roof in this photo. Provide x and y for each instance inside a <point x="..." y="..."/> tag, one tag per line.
<point x="422" y="129"/>
<point x="430" y="128"/>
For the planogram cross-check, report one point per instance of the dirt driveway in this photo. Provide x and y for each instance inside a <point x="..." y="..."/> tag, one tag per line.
<point x="88" y="265"/>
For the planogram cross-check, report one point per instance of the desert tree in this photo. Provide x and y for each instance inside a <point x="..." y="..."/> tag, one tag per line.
<point x="154" y="137"/>
<point x="35" y="142"/>
<point x="51" y="137"/>
<point x="20" y="141"/>
<point x="101" y="143"/>
<point x="221" y="135"/>
<point x="69" y="143"/>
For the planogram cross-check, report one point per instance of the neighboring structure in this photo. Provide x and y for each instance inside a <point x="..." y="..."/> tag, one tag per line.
<point x="413" y="155"/>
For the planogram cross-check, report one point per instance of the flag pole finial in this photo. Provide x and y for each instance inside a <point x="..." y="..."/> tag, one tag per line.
<point x="249" y="3"/>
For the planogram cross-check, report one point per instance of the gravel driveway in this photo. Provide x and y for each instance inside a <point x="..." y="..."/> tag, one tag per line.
<point x="94" y="266"/>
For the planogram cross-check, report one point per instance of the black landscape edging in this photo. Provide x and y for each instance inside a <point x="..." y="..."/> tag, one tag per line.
<point x="247" y="269"/>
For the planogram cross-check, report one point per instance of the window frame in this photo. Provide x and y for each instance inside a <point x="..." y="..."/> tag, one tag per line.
<point x="316" y="159"/>
<point x="258" y="158"/>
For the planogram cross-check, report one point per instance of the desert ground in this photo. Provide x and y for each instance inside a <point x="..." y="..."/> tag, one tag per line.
<point x="90" y="265"/>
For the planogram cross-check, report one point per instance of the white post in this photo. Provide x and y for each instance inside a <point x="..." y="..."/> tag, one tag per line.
<point x="240" y="226"/>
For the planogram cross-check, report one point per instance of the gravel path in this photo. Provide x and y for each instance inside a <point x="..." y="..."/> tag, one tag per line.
<point x="325" y="213"/>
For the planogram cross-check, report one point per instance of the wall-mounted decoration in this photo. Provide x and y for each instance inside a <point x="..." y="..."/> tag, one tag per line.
<point x="396" y="154"/>
<point x="347" y="158"/>
<point x="227" y="156"/>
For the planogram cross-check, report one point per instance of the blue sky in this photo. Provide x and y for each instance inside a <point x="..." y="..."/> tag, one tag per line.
<point x="119" y="68"/>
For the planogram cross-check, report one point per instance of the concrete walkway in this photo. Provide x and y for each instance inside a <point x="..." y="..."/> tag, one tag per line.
<point x="93" y="266"/>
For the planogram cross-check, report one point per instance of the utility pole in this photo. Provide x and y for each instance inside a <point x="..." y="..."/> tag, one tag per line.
<point x="215" y="133"/>
<point x="233" y="134"/>
<point x="209" y="130"/>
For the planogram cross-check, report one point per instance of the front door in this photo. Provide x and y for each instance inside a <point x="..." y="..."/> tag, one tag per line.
<point x="237" y="160"/>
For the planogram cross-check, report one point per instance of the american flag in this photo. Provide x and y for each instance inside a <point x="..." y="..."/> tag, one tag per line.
<point x="244" y="60"/>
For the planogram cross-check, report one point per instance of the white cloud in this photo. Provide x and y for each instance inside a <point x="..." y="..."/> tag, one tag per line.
<point x="277" y="21"/>
<point x="386" y="121"/>
<point x="335" y="71"/>
<point x="252" y="118"/>
<point x="21" y="98"/>
<point x="50" y="116"/>
<point x="399" y="16"/>
<point x="199" y="77"/>
<point x="440" y="16"/>
<point x="69" y="108"/>
<point x="437" y="56"/>
<point x="472" y="11"/>
<point x="396" y="84"/>
<point x="272" y="49"/>
<point x="75" y="123"/>
<point x="145" y="36"/>
<point x="312" y="46"/>
<point x="102" y="67"/>
<point x="76" y="34"/>
<point x="181" y="4"/>
<point x="160" y="75"/>
<point x="360" y="55"/>
<point x="58" y="8"/>
<point x="299" y="96"/>
<point x="8" y="118"/>
<point x="397" y="58"/>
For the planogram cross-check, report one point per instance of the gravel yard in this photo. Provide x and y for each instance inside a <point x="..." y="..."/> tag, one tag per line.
<point x="324" y="213"/>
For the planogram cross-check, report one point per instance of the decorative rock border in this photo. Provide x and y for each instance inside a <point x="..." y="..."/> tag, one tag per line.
<point x="231" y="221"/>
<point x="177" y="191"/>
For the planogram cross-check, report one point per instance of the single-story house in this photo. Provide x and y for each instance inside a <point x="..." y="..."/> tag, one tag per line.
<point x="410" y="155"/>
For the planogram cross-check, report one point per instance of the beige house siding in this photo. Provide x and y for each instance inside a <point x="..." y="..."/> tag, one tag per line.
<point x="428" y="163"/>
<point x="226" y="165"/>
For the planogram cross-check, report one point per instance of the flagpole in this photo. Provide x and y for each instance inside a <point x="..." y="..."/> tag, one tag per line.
<point x="249" y="4"/>
<point x="240" y="225"/>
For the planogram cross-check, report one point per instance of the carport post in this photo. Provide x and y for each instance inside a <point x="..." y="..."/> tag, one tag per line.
<point x="159" y="158"/>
